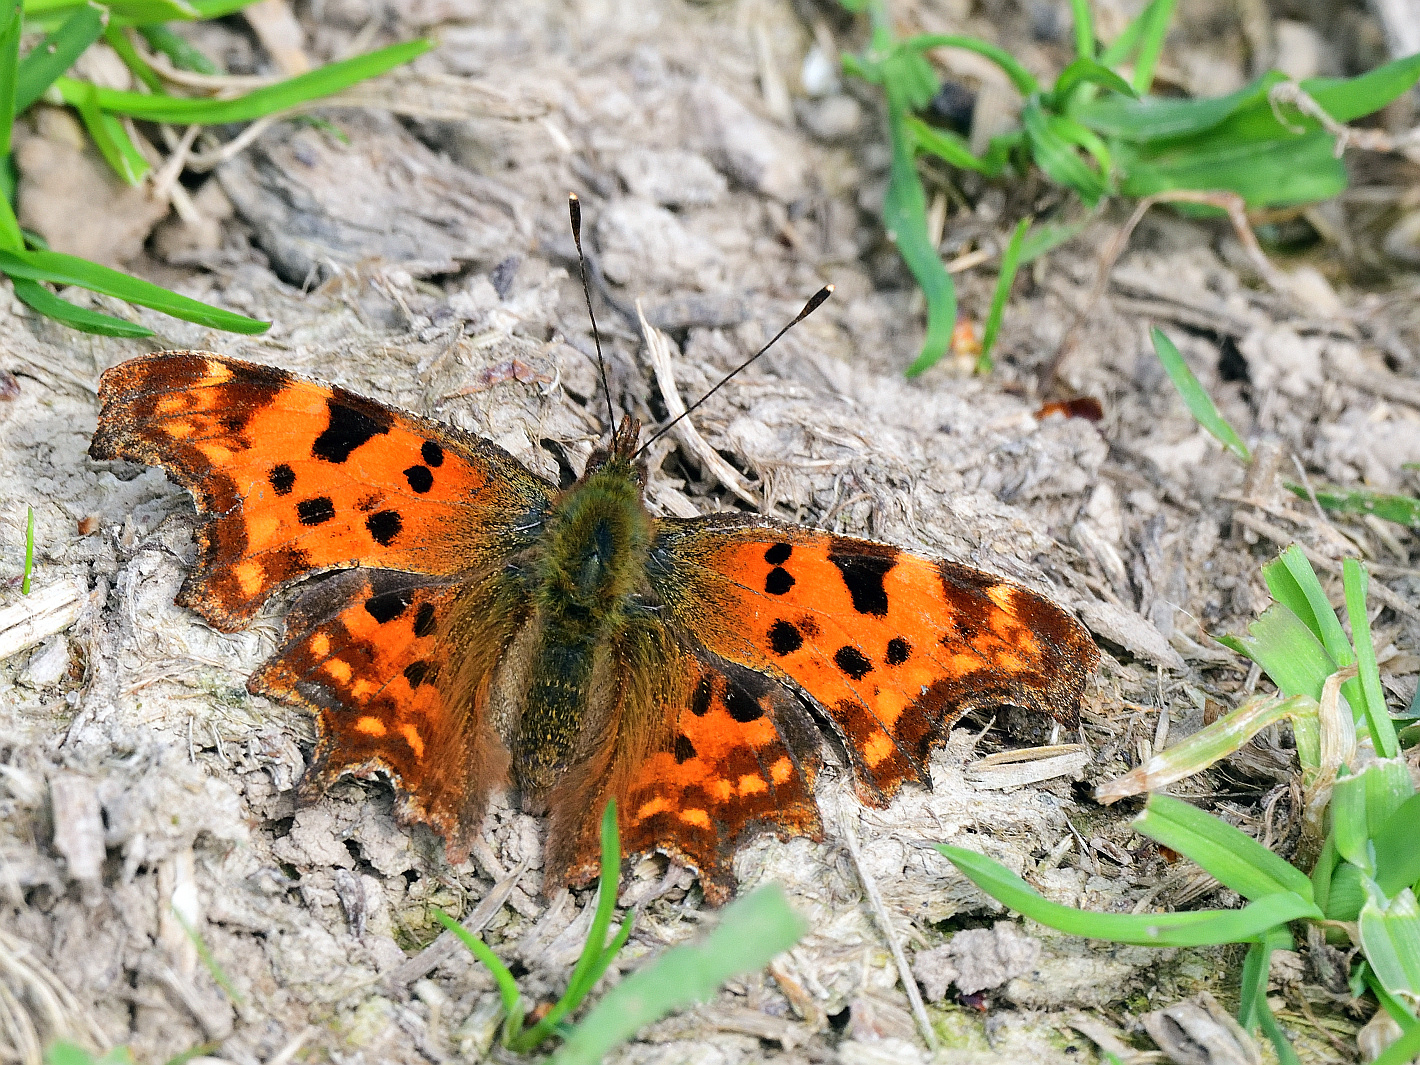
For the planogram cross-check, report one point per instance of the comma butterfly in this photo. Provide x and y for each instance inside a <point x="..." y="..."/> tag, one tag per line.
<point x="476" y="627"/>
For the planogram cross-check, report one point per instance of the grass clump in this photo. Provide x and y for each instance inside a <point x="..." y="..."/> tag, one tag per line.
<point x="40" y="75"/>
<point x="1097" y="132"/>
<point x="750" y="932"/>
<point x="1359" y="860"/>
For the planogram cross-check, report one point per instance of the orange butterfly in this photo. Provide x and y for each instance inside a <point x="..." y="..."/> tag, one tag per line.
<point x="483" y="628"/>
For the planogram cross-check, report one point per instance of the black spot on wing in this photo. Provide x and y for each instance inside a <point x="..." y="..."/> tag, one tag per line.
<point x="348" y="429"/>
<point x="684" y="749"/>
<point x="419" y="478"/>
<point x="863" y="567"/>
<point x="779" y="581"/>
<point x="784" y="638"/>
<point x="853" y="662"/>
<point x="386" y="606"/>
<point x="384" y="526"/>
<point x="282" y="478"/>
<point x="417" y="673"/>
<point x="778" y="554"/>
<point x="898" y="651"/>
<point x="743" y="706"/>
<point x="700" y="700"/>
<point x="424" y="622"/>
<point x="432" y="454"/>
<point x="315" y="511"/>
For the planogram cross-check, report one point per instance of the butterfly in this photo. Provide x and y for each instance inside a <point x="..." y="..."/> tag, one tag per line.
<point x="462" y="625"/>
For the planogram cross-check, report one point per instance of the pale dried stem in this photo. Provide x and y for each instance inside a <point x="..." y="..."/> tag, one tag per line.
<point x="1371" y="140"/>
<point x="658" y="351"/>
<point x="875" y="900"/>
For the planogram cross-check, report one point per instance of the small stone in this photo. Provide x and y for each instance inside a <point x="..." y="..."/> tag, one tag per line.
<point x="834" y="118"/>
<point x="48" y="665"/>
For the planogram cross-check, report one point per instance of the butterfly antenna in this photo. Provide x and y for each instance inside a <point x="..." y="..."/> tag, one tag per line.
<point x="574" y="208"/>
<point x="815" y="302"/>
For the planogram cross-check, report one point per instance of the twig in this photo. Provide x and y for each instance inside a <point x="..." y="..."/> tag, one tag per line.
<point x="875" y="900"/>
<point x="1371" y="140"/>
<point x="658" y="350"/>
<point x="202" y="162"/>
<point x="165" y="177"/>
<point x="446" y="944"/>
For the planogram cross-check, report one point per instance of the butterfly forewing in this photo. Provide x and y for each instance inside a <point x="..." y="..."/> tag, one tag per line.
<point x="299" y="477"/>
<point x="892" y="646"/>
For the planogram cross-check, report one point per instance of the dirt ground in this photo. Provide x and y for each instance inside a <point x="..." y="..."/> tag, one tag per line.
<point x="419" y="253"/>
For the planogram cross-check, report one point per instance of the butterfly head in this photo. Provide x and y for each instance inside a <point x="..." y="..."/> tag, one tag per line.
<point x="619" y="452"/>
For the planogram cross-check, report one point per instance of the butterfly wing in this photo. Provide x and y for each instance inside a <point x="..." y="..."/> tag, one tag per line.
<point x="296" y="477"/>
<point x="397" y="669"/>
<point x="893" y="647"/>
<point x="716" y="754"/>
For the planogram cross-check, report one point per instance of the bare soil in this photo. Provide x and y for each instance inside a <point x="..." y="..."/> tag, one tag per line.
<point x="419" y="253"/>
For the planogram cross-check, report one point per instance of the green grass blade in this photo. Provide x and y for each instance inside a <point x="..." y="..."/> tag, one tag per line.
<point x="1195" y="398"/>
<point x="905" y="219"/>
<point x="107" y="132"/>
<point x="1347" y="99"/>
<point x="56" y="54"/>
<point x="751" y="931"/>
<point x="1355" y="577"/>
<point x="11" y="26"/>
<point x="117" y="39"/>
<point x="596" y="953"/>
<point x="1252" y="999"/>
<point x="69" y="270"/>
<point x="1071" y="132"/>
<point x="1403" y="510"/>
<point x="287" y="94"/>
<point x="949" y="147"/>
<point x="1046" y="238"/>
<point x="1156" y="19"/>
<point x="1397" y="846"/>
<point x="11" y="237"/>
<point x="1287" y="651"/>
<point x="1087" y="71"/>
<point x="1390" y="940"/>
<point x="1293" y="583"/>
<point x="1228" y="735"/>
<point x="1021" y="78"/>
<point x="507" y="986"/>
<point x="1280" y="1043"/>
<point x="1191" y="929"/>
<point x="1010" y="262"/>
<point x="606" y="902"/>
<point x="1057" y="157"/>
<point x="35" y="295"/>
<point x="1274" y="172"/>
<point x="1084" y="29"/>
<point x="1122" y="46"/>
<point x="1229" y="855"/>
<point x="1403" y="1050"/>
<point x="29" y="550"/>
<point x="184" y="56"/>
<point x="1150" y="119"/>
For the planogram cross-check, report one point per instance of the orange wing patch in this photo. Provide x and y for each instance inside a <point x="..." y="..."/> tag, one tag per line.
<point x="892" y="646"/>
<point x="300" y="477"/>
<point x="739" y="756"/>
<point x="382" y="658"/>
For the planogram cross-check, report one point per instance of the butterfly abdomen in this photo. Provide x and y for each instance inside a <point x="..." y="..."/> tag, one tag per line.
<point x="589" y="567"/>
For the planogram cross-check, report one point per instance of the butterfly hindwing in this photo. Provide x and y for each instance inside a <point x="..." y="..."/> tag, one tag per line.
<point x="893" y="646"/>
<point x="296" y="477"/>
<point x="396" y="668"/>
<point x="734" y="754"/>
